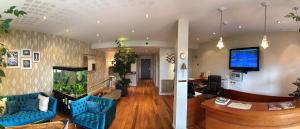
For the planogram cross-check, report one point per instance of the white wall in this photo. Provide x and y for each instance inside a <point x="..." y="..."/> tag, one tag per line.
<point x="166" y="69"/>
<point x="280" y="63"/>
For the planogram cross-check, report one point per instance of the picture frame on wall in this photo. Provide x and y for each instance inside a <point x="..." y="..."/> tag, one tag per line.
<point x="26" y="52"/>
<point x="26" y="63"/>
<point x="36" y="56"/>
<point x="13" y="59"/>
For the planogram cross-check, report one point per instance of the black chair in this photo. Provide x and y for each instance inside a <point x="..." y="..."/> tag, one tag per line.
<point x="191" y="89"/>
<point x="213" y="88"/>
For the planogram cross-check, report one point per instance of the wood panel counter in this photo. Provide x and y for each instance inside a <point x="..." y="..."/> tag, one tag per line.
<point x="258" y="117"/>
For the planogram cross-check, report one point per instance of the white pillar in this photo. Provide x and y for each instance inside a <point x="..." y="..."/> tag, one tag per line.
<point x="181" y="76"/>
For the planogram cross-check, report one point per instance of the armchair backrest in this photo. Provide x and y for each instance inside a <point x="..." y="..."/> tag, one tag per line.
<point x="79" y="106"/>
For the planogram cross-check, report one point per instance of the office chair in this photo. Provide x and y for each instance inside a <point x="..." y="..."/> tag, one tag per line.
<point x="213" y="88"/>
<point x="191" y="89"/>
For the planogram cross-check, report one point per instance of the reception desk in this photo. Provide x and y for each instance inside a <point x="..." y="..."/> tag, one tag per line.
<point x="258" y="117"/>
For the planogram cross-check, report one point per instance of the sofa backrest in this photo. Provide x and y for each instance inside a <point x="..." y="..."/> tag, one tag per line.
<point x="22" y="97"/>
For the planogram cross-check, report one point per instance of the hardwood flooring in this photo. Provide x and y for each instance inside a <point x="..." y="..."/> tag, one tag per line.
<point x="143" y="108"/>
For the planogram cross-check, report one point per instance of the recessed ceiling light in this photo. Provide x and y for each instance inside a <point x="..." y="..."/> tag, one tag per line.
<point x="214" y="33"/>
<point x="197" y="39"/>
<point x="97" y="34"/>
<point x="278" y="22"/>
<point x="132" y="31"/>
<point x="44" y="17"/>
<point x="240" y="27"/>
<point x="147" y="15"/>
<point x="67" y="30"/>
<point x="98" y="21"/>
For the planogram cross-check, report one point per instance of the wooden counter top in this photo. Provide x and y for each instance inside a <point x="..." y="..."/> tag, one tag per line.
<point x="258" y="117"/>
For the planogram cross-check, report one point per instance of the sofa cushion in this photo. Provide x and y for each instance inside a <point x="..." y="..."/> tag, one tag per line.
<point x="43" y="103"/>
<point x="29" y="105"/>
<point x="25" y="117"/>
<point x="93" y="107"/>
<point x="88" y="119"/>
<point x="3" y="107"/>
<point x="12" y="107"/>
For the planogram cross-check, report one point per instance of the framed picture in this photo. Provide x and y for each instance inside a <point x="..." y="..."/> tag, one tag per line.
<point x="36" y="56"/>
<point x="13" y="59"/>
<point x="26" y="63"/>
<point x="26" y="52"/>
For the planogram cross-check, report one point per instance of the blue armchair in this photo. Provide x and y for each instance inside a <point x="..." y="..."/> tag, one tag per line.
<point x="83" y="118"/>
<point x="27" y="117"/>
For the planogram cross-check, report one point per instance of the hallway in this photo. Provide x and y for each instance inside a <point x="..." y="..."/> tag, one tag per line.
<point x="144" y="109"/>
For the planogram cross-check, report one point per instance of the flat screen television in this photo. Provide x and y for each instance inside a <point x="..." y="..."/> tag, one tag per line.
<point x="244" y="59"/>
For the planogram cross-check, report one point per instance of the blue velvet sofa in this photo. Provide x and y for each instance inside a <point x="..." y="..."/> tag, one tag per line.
<point x="88" y="120"/>
<point x="27" y="117"/>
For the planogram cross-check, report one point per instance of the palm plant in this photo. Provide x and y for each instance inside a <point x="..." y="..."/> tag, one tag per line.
<point x="4" y="28"/>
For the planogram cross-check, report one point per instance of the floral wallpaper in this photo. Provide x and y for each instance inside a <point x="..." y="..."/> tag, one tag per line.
<point x="55" y="51"/>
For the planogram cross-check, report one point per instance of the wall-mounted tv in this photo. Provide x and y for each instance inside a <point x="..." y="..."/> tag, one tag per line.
<point x="244" y="59"/>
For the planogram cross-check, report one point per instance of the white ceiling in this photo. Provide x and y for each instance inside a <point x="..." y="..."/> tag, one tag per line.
<point x="118" y="18"/>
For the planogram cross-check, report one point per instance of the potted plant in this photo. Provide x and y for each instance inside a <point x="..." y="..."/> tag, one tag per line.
<point x="123" y="59"/>
<point x="294" y="15"/>
<point x="4" y="28"/>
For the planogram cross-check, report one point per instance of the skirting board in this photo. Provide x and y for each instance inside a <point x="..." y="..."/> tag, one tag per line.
<point x="166" y="93"/>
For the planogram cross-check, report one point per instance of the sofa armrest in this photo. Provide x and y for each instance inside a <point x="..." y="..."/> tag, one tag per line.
<point x="109" y="113"/>
<point x="78" y="106"/>
<point x="52" y="104"/>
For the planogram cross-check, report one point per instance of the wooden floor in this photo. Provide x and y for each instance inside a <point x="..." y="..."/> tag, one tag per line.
<point x="143" y="108"/>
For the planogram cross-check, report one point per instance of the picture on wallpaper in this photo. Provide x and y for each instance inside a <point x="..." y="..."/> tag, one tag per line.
<point x="26" y="52"/>
<point x="26" y="63"/>
<point x="13" y="59"/>
<point x="36" y="56"/>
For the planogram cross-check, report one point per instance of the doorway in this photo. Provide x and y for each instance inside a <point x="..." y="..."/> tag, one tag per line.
<point x="145" y="68"/>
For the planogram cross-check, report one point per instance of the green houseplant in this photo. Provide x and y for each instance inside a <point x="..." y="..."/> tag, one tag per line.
<point x="4" y="28"/>
<point x="123" y="59"/>
<point x="294" y="15"/>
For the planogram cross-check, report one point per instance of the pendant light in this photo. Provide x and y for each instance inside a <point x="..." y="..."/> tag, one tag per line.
<point x="264" y="42"/>
<point x="220" y="44"/>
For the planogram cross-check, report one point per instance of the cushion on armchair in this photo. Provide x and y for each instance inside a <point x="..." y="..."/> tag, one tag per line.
<point x="93" y="107"/>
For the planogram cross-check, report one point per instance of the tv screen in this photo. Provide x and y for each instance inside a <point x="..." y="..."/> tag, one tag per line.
<point x="245" y="59"/>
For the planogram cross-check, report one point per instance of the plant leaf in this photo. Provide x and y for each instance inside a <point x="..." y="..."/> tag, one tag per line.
<point x="2" y="74"/>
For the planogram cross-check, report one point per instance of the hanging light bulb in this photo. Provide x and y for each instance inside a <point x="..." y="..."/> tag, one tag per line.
<point x="265" y="43"/>
<point x="220" y="44"/>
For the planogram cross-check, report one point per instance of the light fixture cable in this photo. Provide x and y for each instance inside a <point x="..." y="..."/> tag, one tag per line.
<point x="220" y="44"/>
<point x="264" y="42"/>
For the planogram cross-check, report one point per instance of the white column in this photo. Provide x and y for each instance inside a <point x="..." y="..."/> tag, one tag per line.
<point x="181" y="76"/>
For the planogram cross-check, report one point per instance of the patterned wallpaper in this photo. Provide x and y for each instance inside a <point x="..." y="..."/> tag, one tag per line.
<point x="55" y="51"/>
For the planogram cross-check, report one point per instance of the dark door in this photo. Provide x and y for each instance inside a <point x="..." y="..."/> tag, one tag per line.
<point x="145" y="68"/>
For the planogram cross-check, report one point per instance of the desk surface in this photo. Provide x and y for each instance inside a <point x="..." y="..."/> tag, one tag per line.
<point x="258" y="117"/>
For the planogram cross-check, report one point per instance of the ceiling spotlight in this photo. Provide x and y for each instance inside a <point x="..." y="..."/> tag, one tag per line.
<point x="97" y="34"/>
<point x="278" y="22"/>
<point x="240" y="27"/>
<point x="147" y="15"/>
<point x="98" y="21"/>
<point x="132" y="31"/>
<point x="214" y="33"/>
<point x="197" y="39"/>
<point x="44" y="17"/>
<point x="67" y="30"/>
